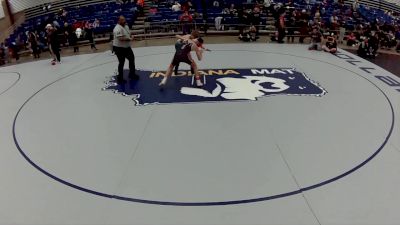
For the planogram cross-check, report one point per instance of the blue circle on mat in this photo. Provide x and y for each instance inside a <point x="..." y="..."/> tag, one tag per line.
<point x="216" y="203"/>
<point x="13" y="84"/>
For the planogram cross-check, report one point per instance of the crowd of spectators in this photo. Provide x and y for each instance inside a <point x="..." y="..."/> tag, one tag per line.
<point x="370" y="38"/>
<point x="322" y="22"/>
<point x="67" y="33"/>
<point x="37" y="41"/>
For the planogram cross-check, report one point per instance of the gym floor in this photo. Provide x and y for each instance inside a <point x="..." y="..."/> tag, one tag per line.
<point x="278" y="135"/>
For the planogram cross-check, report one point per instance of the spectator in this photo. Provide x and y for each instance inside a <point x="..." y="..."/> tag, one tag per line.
<point x="225" y="11"/>
<point x="186" y="21"/>
<point x="317" y="16"/>
<point x="281" y="28"/>
<point x="334" y="20"/>
<point x="316" y="38"/>
<point x="220" y="19"/>
<point x="62" y="13"/>
<point x="323" y="11"/>
<point x="96" y="24"/>
<point x="89" y="35"/>
<point x="242" y="18"/>
<point x="54" y="44"/>
<point x="330" y="45"/>
<point x="373" y="43"/>
<point x="56" y="24"/>
<point x="14" y="48"/>
<point x="256" y="19"/>
<point x="267" y="3"/>
<point x="187" y="5"/>
<point x="71" y="36"/>
<point x="216" y="4"/>
<point x="79" y="33"/>
<point x="303" y="20"/>
<point x="356" y="5"/>
<point x="2" y="54"/>
<point x="153" y="11"/>
<point x="291" y="26"/>
<point x="33" y="44"/>
<point x="140" y="5"/>
<point x="365" y="50"/>
<point x="308" y="4"/>
<point x="176" y="7"/>
<point x="41" y="39"/>
<point x="249" y="35"/>
<point x="232" y="10"/>
<point x="218" y="23"/>
<point x="351" y="39"/>
<point x="391" y="40"/>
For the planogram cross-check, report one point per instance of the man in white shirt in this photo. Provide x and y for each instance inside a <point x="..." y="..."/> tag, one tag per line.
<point x="122" y="48"/>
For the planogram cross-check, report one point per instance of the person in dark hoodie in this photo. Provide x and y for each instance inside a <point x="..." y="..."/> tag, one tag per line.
<point x="71" y="36"/>
<point x="54" y="44"/>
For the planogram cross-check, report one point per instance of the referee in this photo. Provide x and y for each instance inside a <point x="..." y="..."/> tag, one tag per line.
<point x="122" y="48"/>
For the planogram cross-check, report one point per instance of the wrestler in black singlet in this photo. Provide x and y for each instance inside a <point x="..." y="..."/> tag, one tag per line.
<point x="178" y="49"/>
<point x="183" y="55"/>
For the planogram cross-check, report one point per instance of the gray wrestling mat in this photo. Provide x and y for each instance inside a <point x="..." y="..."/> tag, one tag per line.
<point x="279" y="135"/>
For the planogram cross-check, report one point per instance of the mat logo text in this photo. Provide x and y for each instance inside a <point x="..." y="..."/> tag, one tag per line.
<point x="390" y="81"/>
<point x="221" y="85"/>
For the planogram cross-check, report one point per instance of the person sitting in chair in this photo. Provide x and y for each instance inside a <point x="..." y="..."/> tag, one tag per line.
<point x="249" y="35"/>
<point x="316" y="38"/>
<point x="330" y="45"/>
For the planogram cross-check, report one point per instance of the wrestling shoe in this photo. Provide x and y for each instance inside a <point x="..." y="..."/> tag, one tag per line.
<point x="199" y="83"/>
<point x="164" y="81"/>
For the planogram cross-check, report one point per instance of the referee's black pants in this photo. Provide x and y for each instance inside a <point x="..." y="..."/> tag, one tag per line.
<point x="122" y="54"/>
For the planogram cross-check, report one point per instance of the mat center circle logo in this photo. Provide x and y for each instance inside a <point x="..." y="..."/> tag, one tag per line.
<point x="221" y="85"/>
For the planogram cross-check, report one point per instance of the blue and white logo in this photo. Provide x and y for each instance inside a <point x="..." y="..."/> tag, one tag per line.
<point x="221" y="85"/>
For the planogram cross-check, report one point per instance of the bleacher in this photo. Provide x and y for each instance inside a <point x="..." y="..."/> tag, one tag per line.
<point x="375" y="11"/>
<point x="385" y="5"/>
<point x="38" y="10"/>
<point x="165" y="14"/>
<point x="106" y="12"/>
